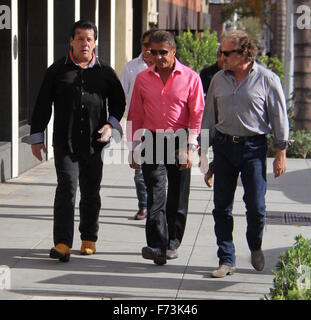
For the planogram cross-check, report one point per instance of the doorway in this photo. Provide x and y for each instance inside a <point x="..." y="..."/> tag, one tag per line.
<point x="32" y="50"/>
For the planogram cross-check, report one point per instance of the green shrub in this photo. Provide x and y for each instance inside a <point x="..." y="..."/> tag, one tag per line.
<point x="292" y="274"/>
<point x="274" y="64"/>
<point x="195" y="51"/>
<point x="300" y="148"/>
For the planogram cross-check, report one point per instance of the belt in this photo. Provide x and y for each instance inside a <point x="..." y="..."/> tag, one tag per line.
<point x="240" y="139"/>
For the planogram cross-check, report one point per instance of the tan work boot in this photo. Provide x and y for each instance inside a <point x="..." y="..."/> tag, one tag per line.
<point x="223" y="271"/>
<point x="87" y="247"/>
<point x="61" y="251"/>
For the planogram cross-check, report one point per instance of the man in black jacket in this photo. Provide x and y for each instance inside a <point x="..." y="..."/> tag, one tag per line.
<point x="82" y="89"/>
<point x="207" y="74"/>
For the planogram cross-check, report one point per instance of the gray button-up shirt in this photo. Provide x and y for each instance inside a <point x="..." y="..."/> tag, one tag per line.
<point x="256" y="106"/>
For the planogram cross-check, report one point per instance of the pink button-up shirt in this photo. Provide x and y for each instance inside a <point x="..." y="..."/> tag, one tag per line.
<point x="178" y="104"/>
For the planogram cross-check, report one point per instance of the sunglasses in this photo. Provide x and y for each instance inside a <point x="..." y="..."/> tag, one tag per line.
<point x="159" y="52"/>
<point x="228" y="53"/>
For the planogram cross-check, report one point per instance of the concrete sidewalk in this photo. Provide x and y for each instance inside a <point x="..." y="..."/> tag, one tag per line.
<point x="117" y="270"/>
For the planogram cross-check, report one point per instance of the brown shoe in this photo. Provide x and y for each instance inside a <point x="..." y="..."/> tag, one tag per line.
<point x="154" y="254"/>
<point x="223" y="271"/>
<point x="60" y="251"/>
<point x="141" y="214"/>
<point x="258" y="260"/>
<point x="87" y="247"/>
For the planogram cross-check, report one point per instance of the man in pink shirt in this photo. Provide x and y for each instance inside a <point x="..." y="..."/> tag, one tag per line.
<point x="167" y="103"/>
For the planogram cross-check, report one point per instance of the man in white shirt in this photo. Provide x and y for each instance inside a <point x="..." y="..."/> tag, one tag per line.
<point x="128" y="76"/>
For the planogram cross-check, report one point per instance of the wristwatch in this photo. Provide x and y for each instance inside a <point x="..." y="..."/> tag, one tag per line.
<point x="192" y="147"/>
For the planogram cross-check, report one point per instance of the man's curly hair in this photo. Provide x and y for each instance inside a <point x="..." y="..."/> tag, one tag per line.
<point x="245" y="44"/>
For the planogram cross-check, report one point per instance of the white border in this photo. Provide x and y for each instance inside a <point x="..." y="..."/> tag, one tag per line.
<point x="15" y="91"/>
<point x="77" y="10"/>
<point x="113" y="33"/>
<point x="50" y="60"/>
<point x="97" y="19"/>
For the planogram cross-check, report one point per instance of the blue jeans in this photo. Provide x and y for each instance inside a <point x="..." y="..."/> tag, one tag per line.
<point x="230" y="160"/>
<point x="141" y="190"/>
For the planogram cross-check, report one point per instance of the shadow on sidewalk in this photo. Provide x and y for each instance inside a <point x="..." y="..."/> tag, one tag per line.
<point x="102" y="276"/>
<point x="295" y="185"/>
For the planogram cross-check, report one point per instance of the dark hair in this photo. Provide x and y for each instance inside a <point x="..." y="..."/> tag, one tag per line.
<point x="148" y="33"/>
<point x="83" y="24"/>
<point x="163" y="36"/>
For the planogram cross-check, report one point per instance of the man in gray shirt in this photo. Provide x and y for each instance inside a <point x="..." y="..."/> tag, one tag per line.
<point x="244" y="102"/>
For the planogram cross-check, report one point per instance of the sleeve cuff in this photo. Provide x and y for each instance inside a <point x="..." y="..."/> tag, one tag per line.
<point x="117" y="133"/>
<point x="283" y="144"/>
<point x="36" y="138"/>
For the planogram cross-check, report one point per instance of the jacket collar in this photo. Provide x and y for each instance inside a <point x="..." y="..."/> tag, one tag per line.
<point x="94" y="62"/>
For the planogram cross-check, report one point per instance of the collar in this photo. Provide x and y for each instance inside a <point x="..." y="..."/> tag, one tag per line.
<point x="179" y="68"/>
<point x="94" y="62"/>
<point x="254" y="68"/>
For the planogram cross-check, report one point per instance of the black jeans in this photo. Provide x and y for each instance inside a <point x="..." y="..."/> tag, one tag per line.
<point x="88" y="171"/>
<point x="167" y="209"/>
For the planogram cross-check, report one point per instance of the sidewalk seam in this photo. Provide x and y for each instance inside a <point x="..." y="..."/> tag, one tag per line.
<point x="204" y="214"/>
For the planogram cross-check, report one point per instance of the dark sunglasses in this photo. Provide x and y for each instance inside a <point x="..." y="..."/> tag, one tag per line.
<point x="159" y="52"/>
<point x="228" y="53"/>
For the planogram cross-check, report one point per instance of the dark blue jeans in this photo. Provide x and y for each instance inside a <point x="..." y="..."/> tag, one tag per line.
<point x="88" y="172"/>
<point x="230" y="160"/>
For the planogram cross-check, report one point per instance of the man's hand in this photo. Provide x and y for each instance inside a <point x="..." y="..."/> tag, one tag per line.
<point x="208" y="178"/>
<point x="203" y="164"/>
<point x="132" y="162"/>
<point x="186" y="158"/>
<point x="279" y="163"/>
<point x="36" y="150"/>
<point x="106" y="132"/>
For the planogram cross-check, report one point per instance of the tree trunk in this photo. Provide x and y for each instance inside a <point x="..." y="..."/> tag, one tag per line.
<point x="280" y="34"/>
<point x="302" y="73"/>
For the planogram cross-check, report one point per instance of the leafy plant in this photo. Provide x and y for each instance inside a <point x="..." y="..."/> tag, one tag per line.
<point x="292" y="274"/>
<point x="195" y="51"/>
<point x="274" y="64"/>
<point x="300" y="148"/>
<point x="247" y="8"/>
<point x="252" y="26"/>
